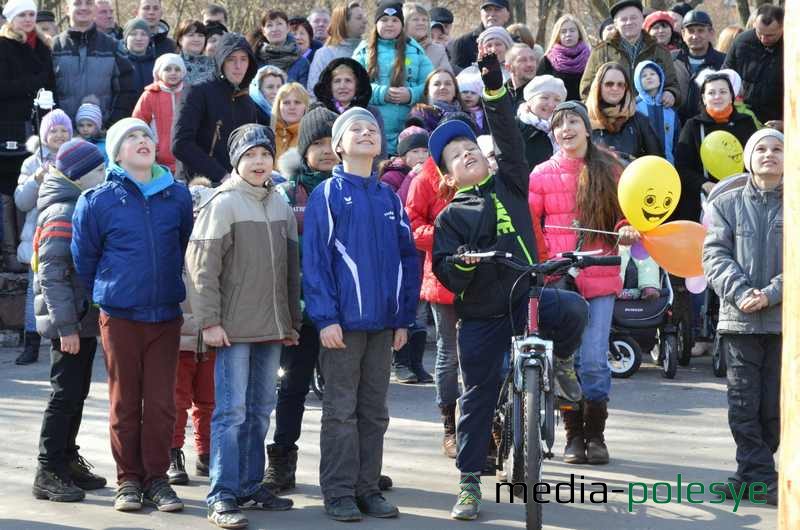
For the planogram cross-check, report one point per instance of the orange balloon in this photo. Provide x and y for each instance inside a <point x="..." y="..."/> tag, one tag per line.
<point x="677" y="247"/>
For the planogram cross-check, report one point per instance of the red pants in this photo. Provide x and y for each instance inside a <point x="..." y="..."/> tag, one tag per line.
<point x="141" y="359"/>
<point x="195" y="384"/>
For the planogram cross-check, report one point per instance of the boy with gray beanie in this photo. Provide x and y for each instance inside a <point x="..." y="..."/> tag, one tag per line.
<point x="743" y="261"/>
<point x="362" y="307"/>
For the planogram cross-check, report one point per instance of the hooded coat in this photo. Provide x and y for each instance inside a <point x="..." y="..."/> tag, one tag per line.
<point x="160" y="43"/>
<point x="210" y="112"/>
<point x="324" y="56"/>
<point x="664" y="120"/>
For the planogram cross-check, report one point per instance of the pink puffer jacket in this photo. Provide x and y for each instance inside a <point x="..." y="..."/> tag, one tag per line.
<point x="551" y="197"/>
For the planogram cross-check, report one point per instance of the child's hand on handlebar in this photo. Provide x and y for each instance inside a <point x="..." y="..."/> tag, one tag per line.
<point x="628" y="235"/>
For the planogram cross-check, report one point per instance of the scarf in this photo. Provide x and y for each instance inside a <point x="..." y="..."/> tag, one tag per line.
<point x="446" y="108"/>
<point x="286" y="137"/>
<point x="283" y="56"/>
<point x="311" y="178"/>
<point x="529" y="118"/>
<point x="31" y="40"/>
<point x="612" y="118"/>
<point x="631" y="50"/>
<point x="720" y="116"/>
<point x="175" y="89"/>
<point x="569" y="60"/>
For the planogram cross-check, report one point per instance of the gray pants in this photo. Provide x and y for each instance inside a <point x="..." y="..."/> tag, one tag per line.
<point x="354" y="413"/>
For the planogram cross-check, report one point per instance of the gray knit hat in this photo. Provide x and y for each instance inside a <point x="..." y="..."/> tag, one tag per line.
<point x="344" y="121"/>
<point x="316" y="124"/>
<point x="120" y="130"/>
<point x="574" y="106"/>
<point x="752" y="142"/>
<point x="134" y="24"/>
<point x="249" y="135"/>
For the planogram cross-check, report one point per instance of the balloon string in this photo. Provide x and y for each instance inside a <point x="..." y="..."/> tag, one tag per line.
<point x="583" y="230"/>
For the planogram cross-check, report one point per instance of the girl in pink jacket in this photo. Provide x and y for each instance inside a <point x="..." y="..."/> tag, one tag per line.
<point x="578" y="187"/>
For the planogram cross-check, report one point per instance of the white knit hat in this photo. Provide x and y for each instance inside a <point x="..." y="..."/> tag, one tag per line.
<point x="166" y="60"/>
<point x="469" y="80"/>
<point x="15" y="7"/>
<point x="752" y="142"/>
<point x="544" y="83"/>
<point x="120" y="130"/>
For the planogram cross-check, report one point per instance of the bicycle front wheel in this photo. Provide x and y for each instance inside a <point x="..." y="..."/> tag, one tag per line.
<point x="532" y="445"/>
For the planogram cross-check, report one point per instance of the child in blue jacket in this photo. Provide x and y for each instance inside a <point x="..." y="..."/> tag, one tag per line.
<point x="649" y="80"/>
<point x="361" y="285"/>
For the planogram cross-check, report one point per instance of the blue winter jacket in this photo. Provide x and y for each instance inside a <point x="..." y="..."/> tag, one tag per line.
<point x="665" y="121"/>
<point x="360" y="265"/>
<point x="418" y="66"/>
<point x="128" y="243"/>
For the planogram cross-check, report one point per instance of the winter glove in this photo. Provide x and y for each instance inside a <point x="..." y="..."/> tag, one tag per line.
<point x="491" y="73"/>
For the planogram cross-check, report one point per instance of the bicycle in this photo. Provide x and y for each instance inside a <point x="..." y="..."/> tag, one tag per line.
<point x="526" y="408"/>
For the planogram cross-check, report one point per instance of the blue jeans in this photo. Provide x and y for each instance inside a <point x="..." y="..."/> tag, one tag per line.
<point x="591" y="360"/>
<point x="446" y="372"/>
<point x="30" y="315"/>
<point x="245" y="376"/>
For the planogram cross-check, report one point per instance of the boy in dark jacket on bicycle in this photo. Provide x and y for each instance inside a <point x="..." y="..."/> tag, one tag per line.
<point x="490" y="212"/>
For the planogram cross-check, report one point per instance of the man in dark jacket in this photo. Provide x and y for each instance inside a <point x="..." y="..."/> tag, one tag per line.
<point x="212" y="110"/>
<point x="87" y="61"/>
<point x="629" y="46"/>
<point x="105" y="21"/>
<point x="160" y="43"/>
<point x="757" y="56"/>
<point x="464" y="50"/>
<point x="696" y="56"/>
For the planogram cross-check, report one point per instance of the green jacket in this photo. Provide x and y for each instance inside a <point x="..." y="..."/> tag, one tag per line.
<point x="612" y="51"/>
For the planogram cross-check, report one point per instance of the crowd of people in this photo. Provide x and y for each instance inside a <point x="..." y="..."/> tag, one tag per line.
<point x="215" y="205"/>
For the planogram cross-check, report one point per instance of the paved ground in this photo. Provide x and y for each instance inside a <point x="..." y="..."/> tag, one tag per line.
<point x="657" y="429"/>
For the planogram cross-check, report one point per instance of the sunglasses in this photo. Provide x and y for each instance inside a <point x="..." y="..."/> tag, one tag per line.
<point x="612" y="84"/>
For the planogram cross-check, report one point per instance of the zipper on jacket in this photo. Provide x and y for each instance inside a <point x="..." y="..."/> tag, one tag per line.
<point x="375" y="238"/>
<point x="149" y="223"/>
<point x="272" y="262"/>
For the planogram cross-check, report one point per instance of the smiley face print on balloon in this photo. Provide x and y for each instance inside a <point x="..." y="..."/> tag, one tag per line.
<point x="648" y="192"/>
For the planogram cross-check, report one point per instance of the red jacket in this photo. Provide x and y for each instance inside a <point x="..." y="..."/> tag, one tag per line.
<point x="422" y="206"/>
<point x="551" y="196"/>
<point x="155" y="107"/>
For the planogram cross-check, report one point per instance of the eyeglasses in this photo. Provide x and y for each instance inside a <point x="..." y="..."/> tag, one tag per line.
<point x="612" y="84"/>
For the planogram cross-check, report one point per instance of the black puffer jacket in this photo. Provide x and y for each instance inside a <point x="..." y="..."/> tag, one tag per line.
<point x="209" y="113"/>
<point x="538" y="146"/>
<point x="689" y="164"/>
<point x="160" y="43"/>
<point x="24" y="70"/>
<point x="636" y="139"/>
<point x="761" y="70"/>
<point x="571" y="81"/>
<point x="463" y="51"/>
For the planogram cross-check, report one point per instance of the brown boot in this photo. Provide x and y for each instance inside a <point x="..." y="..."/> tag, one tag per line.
<point x="575" y="451"/>
<point x="449" y="446"/>
<point x="594" y="418"/>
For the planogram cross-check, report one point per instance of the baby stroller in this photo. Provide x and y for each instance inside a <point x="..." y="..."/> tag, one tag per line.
<point x="664" y="321"/>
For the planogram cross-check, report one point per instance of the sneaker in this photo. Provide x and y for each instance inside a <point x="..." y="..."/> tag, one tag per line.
<point x="226" y="514"/>
<point x="176" y="474"/>
<point x="468" y="504"/>
<point x="56" y="487"/>
<point x="567" y="386"/>
<point x="268" y="500"/>
<point x="342" y="509"/>
<point x="128" y="497"/>
<point x="423" y="376"/>
<point x="385" y="482"/>
<point x="376" y="505"/>
<point x="201" y="467"/>
<point x="404" y="375"/>
<point x="80" y="473"/>
<point x="161" y="495"/>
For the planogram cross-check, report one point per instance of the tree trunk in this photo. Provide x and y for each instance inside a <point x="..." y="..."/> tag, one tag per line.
<point x="543" y="12"/>
<point x="519" y="12"/>
<point x="744" y="11"/>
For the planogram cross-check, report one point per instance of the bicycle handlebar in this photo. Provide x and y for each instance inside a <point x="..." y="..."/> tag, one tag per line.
<point x="562" y="262"/>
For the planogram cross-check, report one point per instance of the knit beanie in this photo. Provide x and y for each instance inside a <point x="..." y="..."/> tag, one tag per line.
<point x="77" y="158"/>
<point x="168" y="59"/>
<point x="15" y="7"/>
<point x="578" y="108"/>
<point x="658" y="16"/>
<point x="132" y="25"/>
<point x="120" y="130"/>
<point x="248" y="136"/>
<point x="45" y="16"/>
<point x="91" y="112"/>
<point x="390" y="8"/>
<point x="469" y="80"/>
<point x="316" y="124"/>
<point x="346" y="119"/>
<point x="496" y="32"/>
<point x="412" y="138"/>
<point x="544" y="83"/>
<point x="53" y="118"/>
<point x="753" y="141"/>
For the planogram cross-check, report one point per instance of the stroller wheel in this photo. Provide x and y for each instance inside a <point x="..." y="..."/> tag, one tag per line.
<point x="624" y="356"/>
<point x="669" y="355"/>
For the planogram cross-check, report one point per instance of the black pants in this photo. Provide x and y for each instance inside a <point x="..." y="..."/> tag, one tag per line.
<point x="70" y="377"/>
<point x="298" y="365"/>
<point x="754" y="369"/>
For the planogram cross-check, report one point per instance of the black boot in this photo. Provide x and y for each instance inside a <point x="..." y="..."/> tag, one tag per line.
<point x="80" y="471"/>
<point x="595" y="414"/>
<point x="282" y="463"/>
<point x="176" y="474"/>
<point x="575" y="451"/>
<point x="417" y="342"/>
<point x="401" y="364"/>
<point x="31" y="352"/>
<point x="56" y="487"/>
<point x="201" y="466"/>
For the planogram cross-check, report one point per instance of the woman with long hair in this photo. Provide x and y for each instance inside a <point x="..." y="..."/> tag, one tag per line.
<point x="567" y="54"/>
<point x="418" y="27"/>
<point x="397" y="68"/>
<point x="727" y="36"/>
<point x="290" y="105"/>
<point x="614" y="119"/>
<point x="577" y="188"/>
<point x="441" y="98"/>
<point x="348" y="24"/>
<point x="274" y="44"/>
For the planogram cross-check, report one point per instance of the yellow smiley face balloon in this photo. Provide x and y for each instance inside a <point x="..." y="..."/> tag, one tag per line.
<point x="648" y="192"/>
<point x="721" y="153"/>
